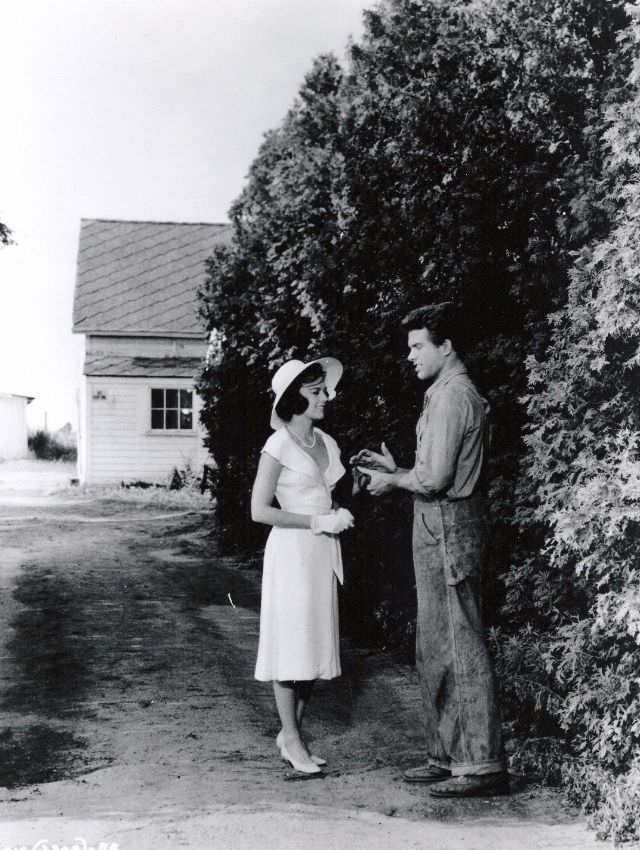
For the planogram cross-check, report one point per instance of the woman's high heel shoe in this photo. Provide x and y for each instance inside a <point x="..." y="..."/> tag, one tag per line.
<point x="315" y="759"/>
<point x="301" y="767"/>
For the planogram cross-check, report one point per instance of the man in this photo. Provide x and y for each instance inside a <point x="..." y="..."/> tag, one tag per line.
<point x="464" y="737"/>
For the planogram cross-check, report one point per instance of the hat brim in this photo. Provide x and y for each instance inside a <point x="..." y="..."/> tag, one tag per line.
<point x="333" y="370"/>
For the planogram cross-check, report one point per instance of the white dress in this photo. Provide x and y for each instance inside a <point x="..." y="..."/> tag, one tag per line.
<point x="299" y="637"/>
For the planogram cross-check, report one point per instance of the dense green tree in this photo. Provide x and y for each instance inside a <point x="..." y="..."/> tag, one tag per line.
<point x="458" y="155"/>
<point x="579" y="494"/>
<point x="5" y="234"/>
<point x="437" y="165"/>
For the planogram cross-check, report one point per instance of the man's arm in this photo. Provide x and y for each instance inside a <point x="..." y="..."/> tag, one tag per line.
<point x="383" y="482"/>
<point x="437" y="456"/>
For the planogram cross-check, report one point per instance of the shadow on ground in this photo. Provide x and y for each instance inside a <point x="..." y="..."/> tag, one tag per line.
<point x="39" y="753"/>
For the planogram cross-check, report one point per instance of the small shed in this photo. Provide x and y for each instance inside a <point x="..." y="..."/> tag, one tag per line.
<point x="136" y="304"/>
<point x="13" y="426"/>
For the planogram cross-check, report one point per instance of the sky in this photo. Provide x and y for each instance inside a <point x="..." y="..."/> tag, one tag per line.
<point x="129" y="109"/>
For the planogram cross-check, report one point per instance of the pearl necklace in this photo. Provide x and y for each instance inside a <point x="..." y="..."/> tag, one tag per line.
<point x="301" y="441"/>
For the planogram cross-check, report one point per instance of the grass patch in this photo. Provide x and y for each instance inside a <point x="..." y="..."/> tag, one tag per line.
<point x="147" y="495"/>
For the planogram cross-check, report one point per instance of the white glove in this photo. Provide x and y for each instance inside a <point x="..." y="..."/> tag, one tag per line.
<point x="333" y="523"/>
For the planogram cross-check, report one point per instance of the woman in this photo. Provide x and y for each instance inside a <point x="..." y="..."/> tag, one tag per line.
<point x="299" y="466"/>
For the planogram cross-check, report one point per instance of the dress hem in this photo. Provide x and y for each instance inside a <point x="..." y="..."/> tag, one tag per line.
<point x="325" y="678"/>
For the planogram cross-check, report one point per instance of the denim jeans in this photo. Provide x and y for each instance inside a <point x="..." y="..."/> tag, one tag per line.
<point x="461" y="713"/>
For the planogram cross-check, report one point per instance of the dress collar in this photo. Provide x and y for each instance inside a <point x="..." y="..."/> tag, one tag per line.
<point x="294" y="457"/>
<point x="304" y="463"/>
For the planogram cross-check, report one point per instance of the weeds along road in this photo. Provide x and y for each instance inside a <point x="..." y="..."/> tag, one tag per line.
<point x="130" y="712"/>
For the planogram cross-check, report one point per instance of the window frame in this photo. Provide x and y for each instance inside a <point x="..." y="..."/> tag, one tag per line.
<point x="178" y="407"/>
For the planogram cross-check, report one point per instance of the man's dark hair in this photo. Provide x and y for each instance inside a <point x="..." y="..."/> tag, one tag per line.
<point x="441" y="320"/>
<point x="292" y="402"/>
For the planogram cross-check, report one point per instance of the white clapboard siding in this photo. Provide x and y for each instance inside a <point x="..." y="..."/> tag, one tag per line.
<point x="121" y="445"/>
<point x="145" y="346"/>
<point x="13" y="426"/>
<point x="136" y="303"/>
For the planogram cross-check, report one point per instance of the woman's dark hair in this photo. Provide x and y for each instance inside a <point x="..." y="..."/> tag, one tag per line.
<point x="291" y="401"/>
<point x="441" y="320"/>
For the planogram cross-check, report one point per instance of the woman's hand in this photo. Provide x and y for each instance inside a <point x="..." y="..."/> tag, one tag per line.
<point x="333" y="523"/>
<point x="382" y="462"/>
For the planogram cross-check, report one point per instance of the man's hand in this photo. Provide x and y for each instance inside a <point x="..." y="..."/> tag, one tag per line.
<point x="367" y="459"/>
<point x="380" y="482"/>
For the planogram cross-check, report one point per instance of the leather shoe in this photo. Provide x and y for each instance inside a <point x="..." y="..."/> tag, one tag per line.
<point x="426" y="773"/>
<point x="485" y="785"/>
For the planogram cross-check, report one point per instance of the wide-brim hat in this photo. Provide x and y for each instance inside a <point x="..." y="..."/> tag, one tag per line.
<point x="290" y="370"/>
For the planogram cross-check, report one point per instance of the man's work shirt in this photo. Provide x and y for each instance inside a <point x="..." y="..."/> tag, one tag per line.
<point x="451" y="438"/>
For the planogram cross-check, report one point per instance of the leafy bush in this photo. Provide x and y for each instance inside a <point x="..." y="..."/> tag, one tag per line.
<point x="47" y="446"/>
<point x="612" y="802"/>
<point x="5" y="234"/>
<point x="185" y="478"/>
<point x="576" y="585"/>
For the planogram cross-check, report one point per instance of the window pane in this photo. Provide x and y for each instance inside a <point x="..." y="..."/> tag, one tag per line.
<point x="157" y="418"/>
<point x="185" y="398"/>
<point x="157" y="398"/>
<point x="172" y="399"/>
<point x="186" y="419"/>
<point x="172" y="419"/>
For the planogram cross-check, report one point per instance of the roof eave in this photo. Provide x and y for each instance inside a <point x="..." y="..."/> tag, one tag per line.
<point x="158" y="334"/>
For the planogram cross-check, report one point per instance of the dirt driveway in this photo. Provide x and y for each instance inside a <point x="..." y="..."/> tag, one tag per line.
<point x="130" y="718"/>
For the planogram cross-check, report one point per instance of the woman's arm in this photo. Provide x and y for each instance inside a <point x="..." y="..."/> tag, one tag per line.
<point x="264" y="488"/>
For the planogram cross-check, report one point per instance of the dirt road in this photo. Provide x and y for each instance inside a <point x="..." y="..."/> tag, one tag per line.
<point x="130" y="716"/>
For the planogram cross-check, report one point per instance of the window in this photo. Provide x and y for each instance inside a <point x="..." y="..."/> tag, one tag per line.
<point x="171" y="410"/>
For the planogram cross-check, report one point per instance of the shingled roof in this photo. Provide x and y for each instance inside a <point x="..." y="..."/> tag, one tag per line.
<point x="140" y="278"/>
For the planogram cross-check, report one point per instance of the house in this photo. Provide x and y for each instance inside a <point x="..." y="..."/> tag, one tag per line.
<point x="136" y="304"/>
<point x="13" y="426"/>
